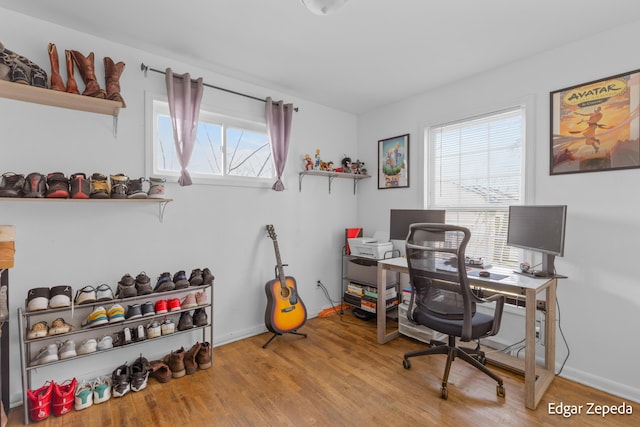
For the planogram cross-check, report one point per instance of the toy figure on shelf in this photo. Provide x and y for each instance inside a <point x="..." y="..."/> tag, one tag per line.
<point x="346" y="164"/>
<point x="316" y="166"/>
<point x="308" y="163"/>
<point x="323" y="166"/>
<point x="330" y="166"/>
<point x="358" y="168"/>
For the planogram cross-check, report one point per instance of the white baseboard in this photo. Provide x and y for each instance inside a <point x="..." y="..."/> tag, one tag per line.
<point x="604" y="384"/>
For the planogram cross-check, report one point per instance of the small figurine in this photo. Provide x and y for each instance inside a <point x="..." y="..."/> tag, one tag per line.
<point x="316" y="166"/>
<point x="330" y="167"/>
<point x="346" y="164"/>
<point x="308" y="163"/>
<point x="358" y="167"/>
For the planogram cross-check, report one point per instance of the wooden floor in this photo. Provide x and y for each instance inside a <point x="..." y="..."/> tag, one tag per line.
<point x="338" y="376"/>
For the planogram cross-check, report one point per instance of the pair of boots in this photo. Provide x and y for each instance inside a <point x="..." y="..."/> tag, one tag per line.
<point x="85" y="65"/>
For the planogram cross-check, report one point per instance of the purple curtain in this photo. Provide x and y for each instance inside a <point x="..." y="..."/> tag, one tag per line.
<point x="278" y="117"/>
<point x="184" y="97"/>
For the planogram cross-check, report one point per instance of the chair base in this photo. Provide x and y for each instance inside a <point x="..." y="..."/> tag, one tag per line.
<point x="474" y="357"/>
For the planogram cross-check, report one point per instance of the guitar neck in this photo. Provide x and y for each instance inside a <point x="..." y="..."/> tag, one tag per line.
<point x="280" y="267"/>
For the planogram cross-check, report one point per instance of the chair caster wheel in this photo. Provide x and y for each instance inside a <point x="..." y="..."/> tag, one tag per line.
<point x="444" y="393"/>
<point x="406" y="363"/>
<point x="500" y="390"/>
<point x="482" y="359"/>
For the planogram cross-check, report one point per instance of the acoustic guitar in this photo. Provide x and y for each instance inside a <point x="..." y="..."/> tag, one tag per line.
<point x="285" y="310"/>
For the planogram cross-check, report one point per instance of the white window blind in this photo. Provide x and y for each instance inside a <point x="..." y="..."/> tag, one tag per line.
<point x="475" y="173"/>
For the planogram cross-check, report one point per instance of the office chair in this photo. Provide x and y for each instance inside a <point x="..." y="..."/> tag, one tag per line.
<point x="443" y="299"/>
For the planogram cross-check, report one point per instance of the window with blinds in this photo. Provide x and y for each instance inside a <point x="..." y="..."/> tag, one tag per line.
<point x="474" y="172"/>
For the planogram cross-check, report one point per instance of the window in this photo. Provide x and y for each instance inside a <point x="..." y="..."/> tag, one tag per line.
<point x="227" y="149"/>
<point x="474" y="171"/>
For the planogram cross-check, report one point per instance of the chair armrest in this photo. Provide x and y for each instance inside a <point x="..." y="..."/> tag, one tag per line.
<point x="497" y="313"/>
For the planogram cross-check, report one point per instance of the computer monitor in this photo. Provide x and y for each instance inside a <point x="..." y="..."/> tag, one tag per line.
<point x="540" y="229"/>
<point x="401" y="219"/>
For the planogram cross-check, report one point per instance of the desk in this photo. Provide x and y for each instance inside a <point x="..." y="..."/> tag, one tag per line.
<point x="536" y="378"/>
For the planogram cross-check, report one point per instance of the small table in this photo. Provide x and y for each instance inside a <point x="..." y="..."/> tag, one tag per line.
<point x="537" y="379"/>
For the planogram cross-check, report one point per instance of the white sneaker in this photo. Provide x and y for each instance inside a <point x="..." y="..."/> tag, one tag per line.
<point x="168" y="327"/>
<point x="105" y="342"/>
<point x="87" y="346"/>
<point x="67" y="350"/>
<point x="45" y="355"/>
<point x="84" y="396"/>
<point x="101" y="389"/>
<point x="154" y="330"/>
<point x="104" y="293"/>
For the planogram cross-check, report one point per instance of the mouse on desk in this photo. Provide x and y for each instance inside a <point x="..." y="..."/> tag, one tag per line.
<point x="484" y="273"/>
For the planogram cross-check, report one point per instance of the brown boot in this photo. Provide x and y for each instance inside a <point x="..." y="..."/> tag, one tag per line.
<point x="190" y="364"/>
<point x="112" y="73"/>
<point x="203" y="358"/>
<point x="175" y="360"/>
<point x="87" y="71"/>
<point x="56" y="78"/>
<point x="72" y="86"/>
<point x="160" y="371"/>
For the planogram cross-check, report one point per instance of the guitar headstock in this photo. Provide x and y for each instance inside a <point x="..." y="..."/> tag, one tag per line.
<point x="271" y="231"/>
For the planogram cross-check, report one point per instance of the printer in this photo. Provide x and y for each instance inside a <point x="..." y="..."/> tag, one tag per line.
<point x="376" y="247"/>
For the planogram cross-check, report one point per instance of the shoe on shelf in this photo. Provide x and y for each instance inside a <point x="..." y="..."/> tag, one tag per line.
<point x="133" y="312"/>
<point x="79" y="186"/>
<point x="60" y="296"/>
<point x="116" y="313"/>
<point x="139" y="333"/>
<point x="104" y="293"/>
<point x="190" y="364"/>
<point x="180" y="280"/>
<point x="96" y="318"/>
<point x="38" y="330"/>
<point x="47" y="354"/>
<point x="201" y="298"/>
<point x="160" y="371"/>
<point x="189" y="301"/>
<point x="127" y="337"/>
<point x="195" y="279"/>
<point x="84" y="396"/>
<point x="11" y="185"/>
<point x="175" y="361"/>
<point x="154" y="330"/>
<point x="174" y="304"/>
<point x="104" y="342"/>
<point x="200" y="317"/>
<point x="38" y="299"/>
<point x="164" y="283"/>
<point x="62" y="397"/>
<point x="139" y="374"/>
<point x="101" y="389"/>
<point x="120" y="380"/>
<point x="35" y="185"/>
<point x="207" y="277"/>
<point x="86" y="295"/>
<point x="119" y="186"/>
<point x="99" y="186"/>
<point x="161" y="306"/>
<point x="67" y="350"/>
<point x="57" y="186"/>
<point x="204" y="356"/>
<point x="185" y="322"/>
<point x="39" y="401"/>
<point x="167" y="327"/>
<point x="143" y="284"/>
<point x="156" y="188"/>
<point x="135" y="190"/>
<point x="59" y="326"/>
<point x="90" y="345"/>
<point x="147" y="309"/>
<point x="126" y="287"/>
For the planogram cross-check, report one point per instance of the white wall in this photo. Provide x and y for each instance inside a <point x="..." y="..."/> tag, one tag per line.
<point x="205" y="226"/>
<point x="599" y="303"/>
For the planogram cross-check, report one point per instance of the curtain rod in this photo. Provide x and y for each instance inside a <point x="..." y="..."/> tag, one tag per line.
<point x="146" y="68"/>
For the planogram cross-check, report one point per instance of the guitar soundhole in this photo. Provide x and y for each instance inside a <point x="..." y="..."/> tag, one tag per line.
<point x="285" y="292"/>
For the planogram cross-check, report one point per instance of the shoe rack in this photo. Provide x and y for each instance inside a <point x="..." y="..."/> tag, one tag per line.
<point x="29" y="348"/>
<point x="54" y="98"/>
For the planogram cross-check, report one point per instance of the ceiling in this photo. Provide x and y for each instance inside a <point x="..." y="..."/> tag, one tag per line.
<point x="368" y="54"/>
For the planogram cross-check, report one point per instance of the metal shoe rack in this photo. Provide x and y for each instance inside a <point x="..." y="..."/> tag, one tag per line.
<point x="29" y="347"/>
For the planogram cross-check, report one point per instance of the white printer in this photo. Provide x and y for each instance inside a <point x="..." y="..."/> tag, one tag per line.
<point x="376" y="247"/>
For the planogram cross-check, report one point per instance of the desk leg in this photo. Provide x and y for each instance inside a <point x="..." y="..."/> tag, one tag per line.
<point x="381" y="309"/>
<point x="538" y="378"/>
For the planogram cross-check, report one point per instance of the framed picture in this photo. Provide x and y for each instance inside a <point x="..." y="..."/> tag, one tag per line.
<point x="595" y="126"/>
<point x="393" y="162"/>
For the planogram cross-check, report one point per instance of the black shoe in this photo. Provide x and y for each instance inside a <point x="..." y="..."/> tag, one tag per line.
<point x="35" y="185"/>
<point x="134" y="190"/>
<point x="126" y="287"/>
<point x="133" y="312"/>
<point x="57" y="186"/>
<point x="143" y="284"/>
<point x="147" y="309"/>
<point x="185" y="322"/>
<point x="60" y="296"/>
<point x="164" y="283"/>
<point x="196" y="278"/>
<point x="139" y="374"/>
<point x="180" y="280"/>
<point x="120" y="380"/>
<point x="80" y="186"/>
<point x="207" y="276"/>
<point x="11" y="185"/>
<point x="119" y="186"/>
<point x="38" y="299"/>
<point x="200" y="317"/>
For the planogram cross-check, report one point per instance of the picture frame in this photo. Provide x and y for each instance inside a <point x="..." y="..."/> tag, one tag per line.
<point x="595" y="126"/>
<point x="393" y="162"/>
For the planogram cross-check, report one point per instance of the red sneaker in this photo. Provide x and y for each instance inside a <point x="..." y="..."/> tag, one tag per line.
<point x="63" y="397"/>
<point x="161" y="306"/>
<point x="174" y="304"/>
<point x="40" y="402"/>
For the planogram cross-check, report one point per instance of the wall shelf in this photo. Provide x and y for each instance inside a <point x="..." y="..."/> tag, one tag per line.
<point x="54" y="98"/>
<point x="162" y="203"/>
<point x="331" y="176"/>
